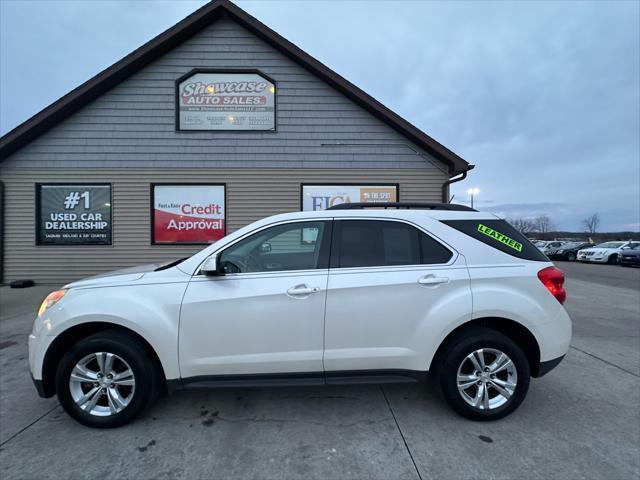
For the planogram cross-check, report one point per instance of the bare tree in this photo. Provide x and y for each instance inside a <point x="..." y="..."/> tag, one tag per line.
<point x="591" y="223"/>
<point x="523" y="225"/>
<point x="543" y="224"/>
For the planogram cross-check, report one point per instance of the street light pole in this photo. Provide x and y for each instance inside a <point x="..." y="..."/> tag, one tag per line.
<point x="473" y="192"/>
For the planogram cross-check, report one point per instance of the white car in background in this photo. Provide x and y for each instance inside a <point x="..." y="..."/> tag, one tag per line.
<point x="546" y="247"/>
<point x="607" y="252"/>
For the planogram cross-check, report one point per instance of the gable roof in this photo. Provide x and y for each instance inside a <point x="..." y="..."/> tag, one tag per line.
<point x="181" y="31"/>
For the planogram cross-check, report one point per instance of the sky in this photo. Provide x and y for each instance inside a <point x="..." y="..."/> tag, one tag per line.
<point x="543" y="97"/>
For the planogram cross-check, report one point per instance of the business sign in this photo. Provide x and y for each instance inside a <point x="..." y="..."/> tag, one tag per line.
<point x="73" y="214"/>
<point x="226" y="101"/>
<point x="321" y="197"/>
<point x="188" y="213"/>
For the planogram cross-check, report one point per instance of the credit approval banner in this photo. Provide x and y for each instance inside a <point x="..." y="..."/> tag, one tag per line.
<point x="321" y="197"/>
<point x="188" y="213"/>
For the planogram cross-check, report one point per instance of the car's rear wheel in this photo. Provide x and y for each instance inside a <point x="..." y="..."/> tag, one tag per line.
<point x="484" y="375"/>
<point x="106" y="380"/>
<point x="613" y="259"/>
<point x="571" y="257"/>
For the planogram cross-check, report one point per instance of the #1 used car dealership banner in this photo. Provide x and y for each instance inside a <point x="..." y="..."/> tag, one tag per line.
<point x="321" y="197"/>
<point x="188" y="213"/>
<point x="73" y="214"/>
<point x="226" y="101"/>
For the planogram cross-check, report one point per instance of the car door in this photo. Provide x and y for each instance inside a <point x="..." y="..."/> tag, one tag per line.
<point x="266" y="313"/>
<point x="392" y="291"/>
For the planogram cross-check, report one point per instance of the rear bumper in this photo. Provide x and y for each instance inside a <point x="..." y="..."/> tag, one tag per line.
<point x="546" y="367"/>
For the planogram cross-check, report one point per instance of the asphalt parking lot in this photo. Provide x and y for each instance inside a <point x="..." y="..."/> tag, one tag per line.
<point x="580" y="421"/>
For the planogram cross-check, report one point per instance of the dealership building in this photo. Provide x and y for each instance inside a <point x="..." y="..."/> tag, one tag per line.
<point x="215" y="123"/>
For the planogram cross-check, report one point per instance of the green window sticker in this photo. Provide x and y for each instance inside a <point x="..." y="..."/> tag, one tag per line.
<point x="508" y="241"/>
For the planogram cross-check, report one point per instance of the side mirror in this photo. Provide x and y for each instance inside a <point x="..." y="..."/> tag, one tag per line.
<point x="210" y="267"/>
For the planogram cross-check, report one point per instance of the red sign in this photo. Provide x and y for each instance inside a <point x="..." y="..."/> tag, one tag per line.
<point x="188" y="213"/>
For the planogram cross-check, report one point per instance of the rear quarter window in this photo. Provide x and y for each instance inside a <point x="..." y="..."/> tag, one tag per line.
<point x="499" y="235"/>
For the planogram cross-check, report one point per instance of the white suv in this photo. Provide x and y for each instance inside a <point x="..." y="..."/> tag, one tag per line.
<point x="345" y="295"/>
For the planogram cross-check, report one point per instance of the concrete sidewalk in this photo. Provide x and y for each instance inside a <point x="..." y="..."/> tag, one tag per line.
<point x="580" y="421"/>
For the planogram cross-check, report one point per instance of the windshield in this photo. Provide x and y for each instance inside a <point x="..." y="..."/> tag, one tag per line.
<point x="610" y="245"/>
<point x="571" y="245"/>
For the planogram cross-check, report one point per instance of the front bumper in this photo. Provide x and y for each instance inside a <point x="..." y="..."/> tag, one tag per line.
<point x="39" y="384"/>
<point x="592" y="258"/>
<point x="546" y="367"/>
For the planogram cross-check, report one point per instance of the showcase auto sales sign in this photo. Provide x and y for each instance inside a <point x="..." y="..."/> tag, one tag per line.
<point x="226" y="101"/>
<point x="188" y="213"/>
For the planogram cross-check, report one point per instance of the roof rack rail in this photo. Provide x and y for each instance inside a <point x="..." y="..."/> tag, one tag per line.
<point x="417" y="206"/>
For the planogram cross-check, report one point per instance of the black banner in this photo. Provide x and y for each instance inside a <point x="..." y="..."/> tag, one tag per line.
<point x="73" y="214"/>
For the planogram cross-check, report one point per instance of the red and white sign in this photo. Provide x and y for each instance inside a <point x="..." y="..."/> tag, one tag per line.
<point x="188" y="213"/>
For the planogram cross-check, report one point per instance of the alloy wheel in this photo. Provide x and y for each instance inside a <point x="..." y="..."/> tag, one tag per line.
<point x="487" y="378"/>
<point x="102" y="384"/>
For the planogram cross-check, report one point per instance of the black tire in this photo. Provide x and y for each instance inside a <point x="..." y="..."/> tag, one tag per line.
<point x="571" y="257"/>
<point x="613" y="259"/>
<point x="458" y="349"/>
<point x="132" y="351"/>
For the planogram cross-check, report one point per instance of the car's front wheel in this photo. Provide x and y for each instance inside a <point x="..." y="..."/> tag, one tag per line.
<point x="484" y="375"/>
<point x="106" y="380"/>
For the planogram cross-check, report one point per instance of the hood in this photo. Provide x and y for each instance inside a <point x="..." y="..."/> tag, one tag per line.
<point x="124" y="275"/>
<point x="631" y="252"/>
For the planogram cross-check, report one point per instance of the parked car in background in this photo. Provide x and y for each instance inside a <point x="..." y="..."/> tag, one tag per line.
<point x="607" y="252"/>
<point x="546" y="247"/>
<point x="630" y="255"/>
<point x="568" y="251"/>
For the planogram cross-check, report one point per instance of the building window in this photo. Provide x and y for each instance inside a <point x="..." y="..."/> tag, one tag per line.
<point x="192" y="214"/>
<point x="73" y="214"/>
<point x="323" y="196"/>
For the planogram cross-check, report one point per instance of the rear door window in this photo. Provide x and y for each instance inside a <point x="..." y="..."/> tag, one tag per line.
<point x="377" y="243"/>
<point x="500" y="235"/>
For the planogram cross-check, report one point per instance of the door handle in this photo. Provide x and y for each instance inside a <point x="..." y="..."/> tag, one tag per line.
<point x="302" y="290"/>
<point x="432" y="280"/>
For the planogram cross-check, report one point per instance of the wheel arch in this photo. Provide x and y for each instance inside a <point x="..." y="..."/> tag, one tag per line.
<point x="74" y="334"/>
<point x="517" y="332"/>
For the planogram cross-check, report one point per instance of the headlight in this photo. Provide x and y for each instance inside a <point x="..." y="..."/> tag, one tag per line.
<point x="52" y="299"/>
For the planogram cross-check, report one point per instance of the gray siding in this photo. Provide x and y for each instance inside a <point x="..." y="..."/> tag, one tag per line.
<point x="251" y="194"/>
<point x="127" y="137"/>
<point x="133" y="124"/>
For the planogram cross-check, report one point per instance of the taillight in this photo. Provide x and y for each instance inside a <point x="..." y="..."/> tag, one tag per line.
<point x="553" y="279"/>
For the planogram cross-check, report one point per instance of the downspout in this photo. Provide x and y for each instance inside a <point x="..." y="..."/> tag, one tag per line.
<point x="445" y="185"/>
